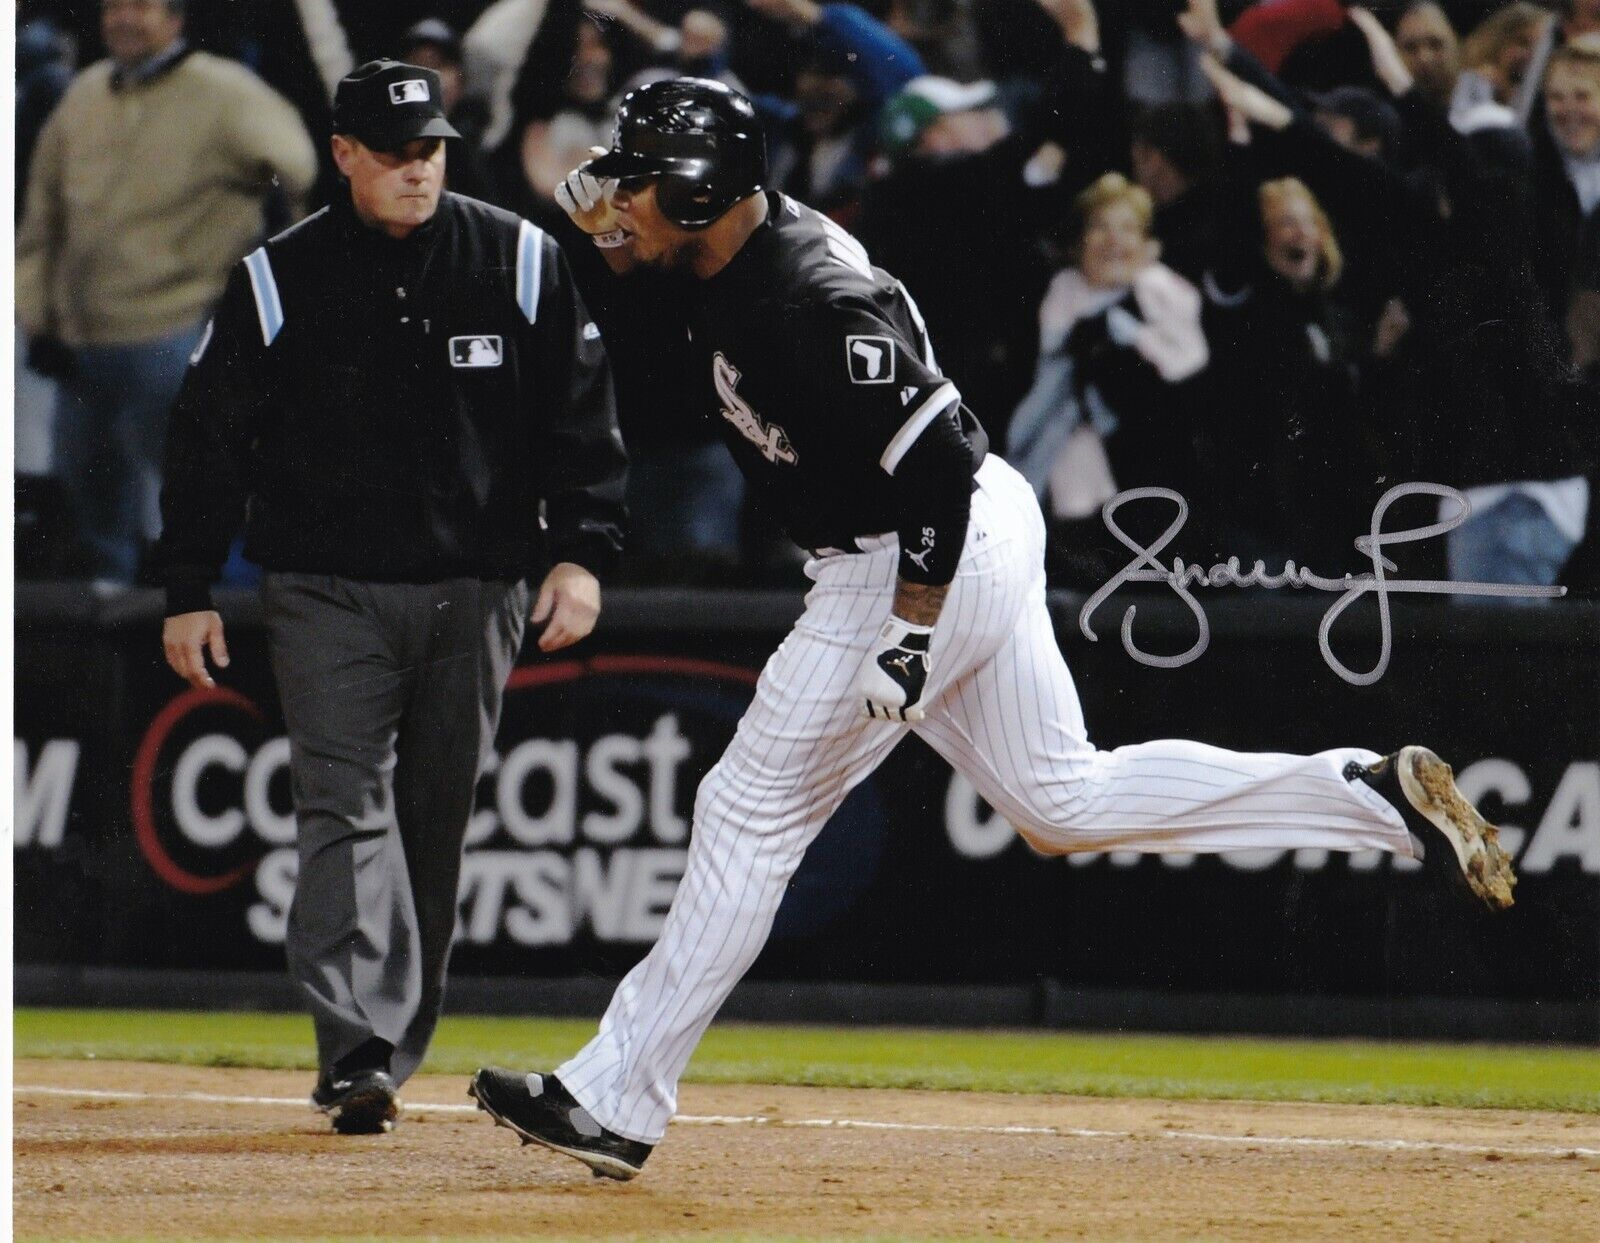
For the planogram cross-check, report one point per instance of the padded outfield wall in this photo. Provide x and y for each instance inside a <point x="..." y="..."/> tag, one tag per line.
<point x="154" y="836"/>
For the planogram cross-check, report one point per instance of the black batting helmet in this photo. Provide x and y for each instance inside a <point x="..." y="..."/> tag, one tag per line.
<point x="700" y="138"/>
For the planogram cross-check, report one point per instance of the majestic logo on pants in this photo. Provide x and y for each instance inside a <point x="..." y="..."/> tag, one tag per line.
<point x="475" y="351"/>
<point x="771" y="439"/>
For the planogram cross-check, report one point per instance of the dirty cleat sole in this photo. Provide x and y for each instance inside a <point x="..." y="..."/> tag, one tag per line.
<point x="1430" y="787"/>
<point x="603" y="1165"/>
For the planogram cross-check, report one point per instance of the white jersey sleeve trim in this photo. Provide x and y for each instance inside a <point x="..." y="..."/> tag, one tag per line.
<point x="530" y="269"/>
<point x="922" y="327"/>
<point x="844" y="248"/>
<point x="269" y="308"/>
<point x="936" y="403"/>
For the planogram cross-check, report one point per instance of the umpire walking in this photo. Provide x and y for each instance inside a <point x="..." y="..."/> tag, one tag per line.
<point x="406" y="406"/>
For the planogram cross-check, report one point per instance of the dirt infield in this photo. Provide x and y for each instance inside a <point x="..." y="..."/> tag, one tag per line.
<point x="146" y="1158"/>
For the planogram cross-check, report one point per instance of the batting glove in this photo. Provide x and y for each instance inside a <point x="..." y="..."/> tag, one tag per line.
<point x="580" y="191"/>
<point x="587" y="199"/>
<point x="896" y="672"/>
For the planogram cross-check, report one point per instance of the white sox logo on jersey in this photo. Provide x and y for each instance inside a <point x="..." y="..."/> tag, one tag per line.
<point x="870" y="359"/>
<point x="771" y="439"/>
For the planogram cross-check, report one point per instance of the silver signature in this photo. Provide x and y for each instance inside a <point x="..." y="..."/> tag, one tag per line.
<point x="1145" y="569"/>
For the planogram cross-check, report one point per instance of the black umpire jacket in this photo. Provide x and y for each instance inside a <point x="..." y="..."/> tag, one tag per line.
<point x="395" y="411"/>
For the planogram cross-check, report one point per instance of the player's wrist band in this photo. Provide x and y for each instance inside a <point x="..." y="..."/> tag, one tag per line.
<point x="610" y="239"/>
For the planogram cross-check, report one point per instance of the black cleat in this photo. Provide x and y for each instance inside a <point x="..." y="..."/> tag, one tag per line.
<point x="1423" y="788"/>
<point x="359" y="1103"/>
<point x="541" y="1111"/>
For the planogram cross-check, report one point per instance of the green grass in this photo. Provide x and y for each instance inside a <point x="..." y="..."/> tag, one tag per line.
<point x="1186" y="1068"/>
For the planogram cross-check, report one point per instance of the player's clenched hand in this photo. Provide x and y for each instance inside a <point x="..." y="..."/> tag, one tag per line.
<point x="896" y="672"/>
<point x="185" y="638"/>
<point x="587" y="199"/>
<point x="581" y="192"/>
<point x="567" y="607"/>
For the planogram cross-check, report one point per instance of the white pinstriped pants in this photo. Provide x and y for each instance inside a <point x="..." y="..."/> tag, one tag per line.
<point x="1002" y="709"/>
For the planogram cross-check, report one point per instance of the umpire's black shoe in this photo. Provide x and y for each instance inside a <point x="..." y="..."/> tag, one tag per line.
<point x="541" y="1111"/>
<point x="1423" y="788"/>
<point x="363" y="1102"/>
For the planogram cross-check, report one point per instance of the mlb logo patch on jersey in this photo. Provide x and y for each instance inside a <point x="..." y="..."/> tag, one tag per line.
<point x="475" y="351"/>
<point x="411" y="91"/>
<point x="870" y="359"/>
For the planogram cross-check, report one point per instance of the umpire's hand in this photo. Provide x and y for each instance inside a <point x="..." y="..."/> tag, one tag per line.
<point x="567" y="607"/>
<point x="185" y="636"/>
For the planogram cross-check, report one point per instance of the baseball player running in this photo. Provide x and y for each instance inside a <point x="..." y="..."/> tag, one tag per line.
<point x="927" y="613"/>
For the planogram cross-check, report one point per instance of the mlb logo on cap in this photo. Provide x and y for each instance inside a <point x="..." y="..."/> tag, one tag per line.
<point x="386" y="104"/>
<point x="475" y="351"/>
<point x="411" y="91"/>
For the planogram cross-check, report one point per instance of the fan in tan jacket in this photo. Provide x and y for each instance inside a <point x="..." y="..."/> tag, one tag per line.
<point x="146" y="185"/>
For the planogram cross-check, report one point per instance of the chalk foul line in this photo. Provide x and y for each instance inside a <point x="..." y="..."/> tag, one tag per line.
<point x="860" y="1124"/>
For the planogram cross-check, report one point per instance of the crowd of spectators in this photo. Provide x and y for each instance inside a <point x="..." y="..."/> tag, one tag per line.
<point x="1275" y="256"/>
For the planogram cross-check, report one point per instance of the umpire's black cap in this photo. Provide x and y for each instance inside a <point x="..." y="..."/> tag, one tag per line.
<point x="387" y="103"/>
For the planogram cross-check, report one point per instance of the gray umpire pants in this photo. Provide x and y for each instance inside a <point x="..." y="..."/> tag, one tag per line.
<point x="391" y="694"/>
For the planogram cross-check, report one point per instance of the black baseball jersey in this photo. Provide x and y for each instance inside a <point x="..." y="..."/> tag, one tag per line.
<point x="819" y="370"/>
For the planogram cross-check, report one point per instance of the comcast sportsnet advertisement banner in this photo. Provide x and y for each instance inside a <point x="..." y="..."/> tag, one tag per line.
<point x="582" y="819"/>
<point x="154" y="826"/>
